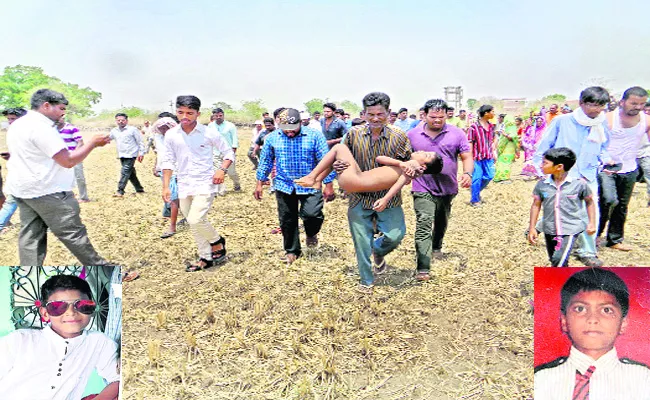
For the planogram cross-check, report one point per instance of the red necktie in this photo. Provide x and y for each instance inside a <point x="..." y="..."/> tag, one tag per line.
<point x="581" y="389"/>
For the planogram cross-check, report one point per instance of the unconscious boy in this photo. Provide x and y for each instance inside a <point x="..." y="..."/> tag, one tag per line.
<point x="390" y="176"/>
<point x="563" y="199"/>
<point x="594" y="307"/>
<point x="56" y="362"/>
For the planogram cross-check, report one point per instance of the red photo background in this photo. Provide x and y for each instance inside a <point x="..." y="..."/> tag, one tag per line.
<point x="551" y="343"/>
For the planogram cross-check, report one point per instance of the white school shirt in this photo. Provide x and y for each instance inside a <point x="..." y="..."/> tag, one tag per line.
<point x="38" y="364"/>
<point x="129" y="141"/>
<point x="613" y="379"/>
<point x="33" y="141"/>
<point x="191" y="156"/>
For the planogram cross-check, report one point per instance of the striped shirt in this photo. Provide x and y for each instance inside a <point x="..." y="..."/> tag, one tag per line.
<point x="392" y="142"/>
<point x="70" y="135"/>
<point x="481" y="140"/>
<point x="294" y="157"/>
<point x="613" y="379"/>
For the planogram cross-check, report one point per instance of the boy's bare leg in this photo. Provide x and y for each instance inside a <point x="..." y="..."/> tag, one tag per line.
<point x="173" y="216"/>
<point x="339" y="152"/>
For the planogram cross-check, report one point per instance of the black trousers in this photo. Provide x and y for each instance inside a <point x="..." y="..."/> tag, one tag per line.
<point x="559" y="248"/>
<point x="128" y="174"/>
<point x="308" y="207"/>
<point x="615" y="194"/>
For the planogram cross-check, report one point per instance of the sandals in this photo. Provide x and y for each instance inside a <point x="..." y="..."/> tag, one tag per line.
<point x="130" y="276"/>
<point x="200" y="265"/>
<point x="422" y="276"/>
<point x="219" y="256"/>
<point x="167" y="234"/>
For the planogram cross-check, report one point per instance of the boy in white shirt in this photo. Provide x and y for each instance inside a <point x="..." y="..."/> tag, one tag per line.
<point x="56" y="362"/>
<point x="594" y="305"/>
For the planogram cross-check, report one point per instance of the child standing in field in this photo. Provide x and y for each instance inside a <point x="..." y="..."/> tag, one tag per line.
<point x="562" y="197"/>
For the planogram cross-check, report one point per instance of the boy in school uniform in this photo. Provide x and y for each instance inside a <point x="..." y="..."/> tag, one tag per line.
<point x="55" y="363"/>
<point x="563" y="198"/>
<point x="594" y="306"/>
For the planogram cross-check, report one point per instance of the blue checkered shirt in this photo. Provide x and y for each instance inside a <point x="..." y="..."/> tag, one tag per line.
<point x="293" y="157"/>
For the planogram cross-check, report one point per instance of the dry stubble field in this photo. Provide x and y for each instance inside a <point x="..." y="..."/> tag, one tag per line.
<point x="257" y="329"/>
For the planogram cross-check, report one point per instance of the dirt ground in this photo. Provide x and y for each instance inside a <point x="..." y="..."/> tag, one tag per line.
<point x="257" y="329"/>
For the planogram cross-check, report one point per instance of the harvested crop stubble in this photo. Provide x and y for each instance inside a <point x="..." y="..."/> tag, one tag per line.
<point x="257" y="329"/>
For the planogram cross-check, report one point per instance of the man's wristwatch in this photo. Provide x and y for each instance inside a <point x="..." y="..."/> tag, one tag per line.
<point x="470" y="175"/>
<point x="225" y="170"/>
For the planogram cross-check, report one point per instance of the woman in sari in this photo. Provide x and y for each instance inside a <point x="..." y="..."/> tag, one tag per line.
<point x="529" y="142"/>
<point x="507" y="151"/>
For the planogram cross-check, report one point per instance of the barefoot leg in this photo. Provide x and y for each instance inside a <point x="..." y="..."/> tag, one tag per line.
<point x="324" y="167"/>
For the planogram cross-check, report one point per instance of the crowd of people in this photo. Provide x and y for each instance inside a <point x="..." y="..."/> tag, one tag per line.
<point x="586" y="161"/>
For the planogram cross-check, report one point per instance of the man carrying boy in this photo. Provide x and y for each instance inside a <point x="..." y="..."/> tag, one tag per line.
<point x="55" y="362"/>
<point x="189" y="149"/>
<point x="562" y="197"/>
<point x="594" y="306"/>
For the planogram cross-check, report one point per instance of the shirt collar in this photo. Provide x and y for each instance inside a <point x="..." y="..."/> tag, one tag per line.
<point x="366" y="131"/>
<point x="550" y="181"/>
<point x="604" y="364"/>
<point x="64" y="345"/>
<point x="199" y="128"/>
<point x="42" y="117"/>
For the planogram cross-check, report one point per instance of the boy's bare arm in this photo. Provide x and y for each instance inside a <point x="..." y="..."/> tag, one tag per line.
<point x="110" y="392"/>
<point x="591" y="213"/>
<point x="380" y="204"/>
<point x="534" y="215"/>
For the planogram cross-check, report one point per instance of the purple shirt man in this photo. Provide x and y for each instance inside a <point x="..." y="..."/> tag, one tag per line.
<point x="433" y="193"/>
<point x="449" y="144"/>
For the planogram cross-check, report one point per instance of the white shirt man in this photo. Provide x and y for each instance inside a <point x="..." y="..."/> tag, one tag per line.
<point x="129" y="141"/>
<point x="228" y="132"/>
<point x="32" y="141"/>
<point x="40" y="364"/>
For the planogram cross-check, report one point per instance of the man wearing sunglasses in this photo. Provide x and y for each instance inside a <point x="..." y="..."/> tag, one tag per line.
<point x="56" y="362"/>
<point x="295" y="150"/>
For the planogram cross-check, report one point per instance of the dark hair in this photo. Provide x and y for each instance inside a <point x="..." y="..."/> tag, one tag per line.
<point x="269" y="119"/>
<point x="412" y="116"/>
<point x="376" y="99"/>
<point x="561" y="155"/>
<point x="484" y="109"/>
<point x="358" y="121"/>
<point x="450" y="109"/>
<point x="218" y="110"/>
<point x="435" y="105"/>
<point x="316" y="112"/>
<point x="502" y="115"/>
<point x="635" y="91"/>
<point x="121" y="115"/>
<point x="278" y="111"/>
<point x="435" y="166"/>
<point x="340" y="111"/>
<point x="17" y="111"/>
<point x="64" y="282"/>
<point x="401" y="110"/>
<point x="647" y="104"/>
<point x="519" y="119"/>
<point x="331" y="106"/>
<point x="43" y="96"/>
<point x="393" y="114"/>
<point x="191" y="102"/>
<point x="460" y="111"/>
<point x="595" y="94"/>
<point x="593" y="279"/>
<point x="167" y="114"/>
<point x="265" y="113"/>
<point x="421" y="108"/>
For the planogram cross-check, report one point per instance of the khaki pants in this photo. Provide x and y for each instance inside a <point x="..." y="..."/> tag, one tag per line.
<point x="232" y="173"/>
<point x="195" y="209"/>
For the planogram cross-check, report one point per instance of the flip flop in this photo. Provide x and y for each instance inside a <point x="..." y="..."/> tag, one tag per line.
<point x="130" y="276"/>
<point x="167" y="234"/>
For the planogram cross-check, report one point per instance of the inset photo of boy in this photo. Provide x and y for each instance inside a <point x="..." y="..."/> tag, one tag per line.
<point x="591" y="333"/>
<point x="60" y="332"/>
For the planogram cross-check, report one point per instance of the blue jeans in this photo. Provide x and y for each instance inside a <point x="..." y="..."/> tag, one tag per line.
<point x="8" y="209"/>
<point x="390" y="222"/>
<point x="483" y="174"/>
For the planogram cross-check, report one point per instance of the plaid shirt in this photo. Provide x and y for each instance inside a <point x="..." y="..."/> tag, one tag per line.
<point x="294" y="158"/>
<point x="392" y="142"/>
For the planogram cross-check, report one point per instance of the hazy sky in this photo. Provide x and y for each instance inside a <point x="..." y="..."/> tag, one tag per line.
<point x="145" y="52"/>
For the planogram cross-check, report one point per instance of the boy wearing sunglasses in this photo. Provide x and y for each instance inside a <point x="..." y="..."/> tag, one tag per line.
<point x="56" y="362"/>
